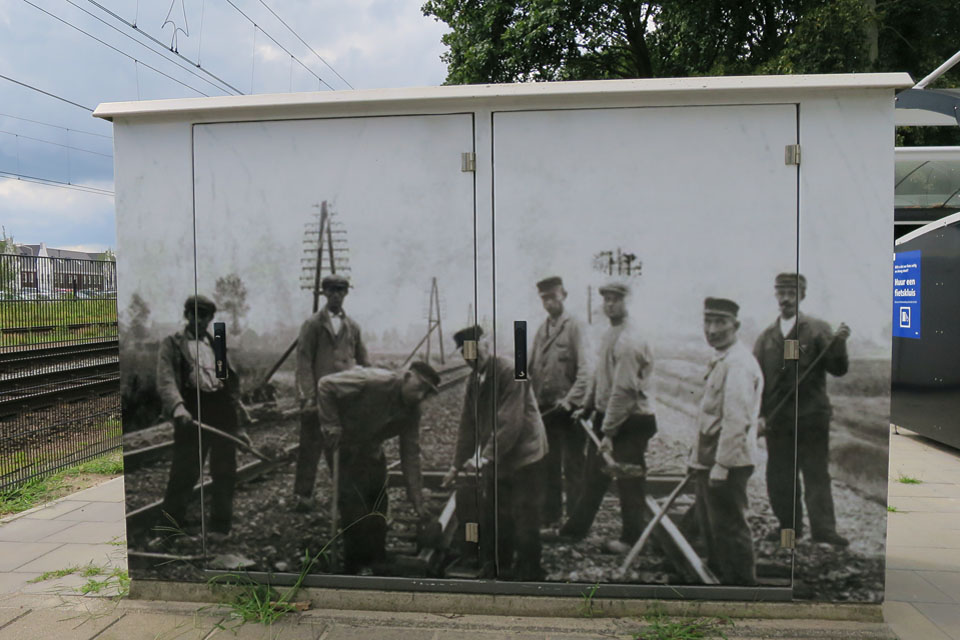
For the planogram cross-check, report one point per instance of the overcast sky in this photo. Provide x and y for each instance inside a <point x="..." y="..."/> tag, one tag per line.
<point x="371" y="43"/>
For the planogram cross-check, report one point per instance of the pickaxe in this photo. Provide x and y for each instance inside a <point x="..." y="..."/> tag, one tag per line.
<point x="614" y="468"/>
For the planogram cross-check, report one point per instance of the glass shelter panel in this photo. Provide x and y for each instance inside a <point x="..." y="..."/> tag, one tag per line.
<point x="338" y="274"/>
<point x="640" y="246"/>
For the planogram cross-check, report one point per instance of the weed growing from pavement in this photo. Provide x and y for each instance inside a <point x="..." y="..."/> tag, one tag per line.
<point x="117" y="579"/>
<point x="661" y="627"/>
<point x="909" y="480"/>
<point x="264" y="604"/>
<point x="891" y="509"/>
<point x="586" y="605"/>
<point x="53" y="575"/>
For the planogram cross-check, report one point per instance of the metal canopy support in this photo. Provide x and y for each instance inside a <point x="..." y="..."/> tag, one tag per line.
<point x="939" y="71"/>
<point x="944" y="101"/>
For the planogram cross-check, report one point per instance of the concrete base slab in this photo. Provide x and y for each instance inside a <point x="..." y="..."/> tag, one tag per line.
<point x="60" y="624"/>
<point x="910" y="624"/>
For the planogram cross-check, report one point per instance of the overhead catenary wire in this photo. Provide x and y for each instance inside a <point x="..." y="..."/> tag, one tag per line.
<point x="110" y="46"/>
<point x="164" y="47"/>
<point x="46" y="93"/>
<point x="297" y="35"/>
<point x="57" y="144"/>
<point x="57" y="126"/>
<point x="9" y="175"/>
<point x="274" y="40"/>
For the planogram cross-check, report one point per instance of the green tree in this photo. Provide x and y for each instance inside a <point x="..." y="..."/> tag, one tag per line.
<point x="138" y="312"/>
<point x="539" y="40"/>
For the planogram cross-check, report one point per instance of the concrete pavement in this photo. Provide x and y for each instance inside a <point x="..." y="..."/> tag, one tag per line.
<point x="82" y="530"/>
<point x="923" y="540"/>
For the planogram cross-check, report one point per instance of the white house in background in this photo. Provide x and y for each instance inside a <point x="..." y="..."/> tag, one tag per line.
<point x="48" y="270"/>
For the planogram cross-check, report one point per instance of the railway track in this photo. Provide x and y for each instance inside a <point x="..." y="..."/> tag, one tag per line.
<point x="38" y="389"/>
<point x="46" y="355"/>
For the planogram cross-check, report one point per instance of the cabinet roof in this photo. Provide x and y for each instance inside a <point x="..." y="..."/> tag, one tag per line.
<point x="734" y="89"/>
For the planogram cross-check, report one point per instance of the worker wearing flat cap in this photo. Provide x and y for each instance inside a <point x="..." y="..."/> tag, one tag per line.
<point x="507" y="449"/>
<point x="796" y="411"/>
<point x="188" y="387"/>
<point x="329" y="342"/>
<point x="560" y="373"/>
<point x="620" y="409"/>
<point x="358" y="410"/>
<point x="722" y="460"/>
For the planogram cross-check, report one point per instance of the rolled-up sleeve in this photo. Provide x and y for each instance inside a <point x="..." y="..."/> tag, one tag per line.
<point x="410" y="460"/>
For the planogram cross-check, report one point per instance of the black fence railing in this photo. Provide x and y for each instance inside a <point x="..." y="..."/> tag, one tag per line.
<point x="59" y="370"/>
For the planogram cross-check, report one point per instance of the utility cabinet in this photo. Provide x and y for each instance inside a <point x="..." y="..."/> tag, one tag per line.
<point x="444" y="208"/>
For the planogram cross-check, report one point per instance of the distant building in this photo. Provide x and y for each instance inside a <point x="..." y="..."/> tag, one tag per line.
<point x="47" y="270"/>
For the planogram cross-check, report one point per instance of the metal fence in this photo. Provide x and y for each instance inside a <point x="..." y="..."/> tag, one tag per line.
<point x="59" y="370"/>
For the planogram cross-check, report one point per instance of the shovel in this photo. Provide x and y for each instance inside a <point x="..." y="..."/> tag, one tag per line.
<point x="614" y="468"/>
<point x="243" y="444"/>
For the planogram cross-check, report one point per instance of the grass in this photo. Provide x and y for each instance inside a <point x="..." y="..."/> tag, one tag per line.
<point x="891" y="509"/>
<point x="117" y="579"/>
<point x="909" y="480"/>
<point x="660" y="627"/>
<point x="587" y="604"/>
<point x="108" y="578"/>
<point x="41" y="490"/>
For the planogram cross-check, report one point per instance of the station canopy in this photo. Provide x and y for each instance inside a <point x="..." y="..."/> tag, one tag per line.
<point x="927" y="183"/>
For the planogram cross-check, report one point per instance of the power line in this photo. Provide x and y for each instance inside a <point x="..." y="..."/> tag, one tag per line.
<point x="110" y="46"/>
<point x="304" y="43"/>
<point x="134" y="26"/>
<point x="55" y="183"/>
<point x="56" y="126"/>
<point x="251" y="21"/>
<point x="58" y="144"/>
<point x="46" y="93"/>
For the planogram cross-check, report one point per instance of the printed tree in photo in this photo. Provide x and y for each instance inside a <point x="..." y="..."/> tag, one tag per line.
<point x="137" y="315"/>
<point x="230" y="294"/>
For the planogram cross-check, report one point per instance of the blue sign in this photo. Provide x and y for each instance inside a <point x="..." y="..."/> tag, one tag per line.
<point x="906" y="294"/>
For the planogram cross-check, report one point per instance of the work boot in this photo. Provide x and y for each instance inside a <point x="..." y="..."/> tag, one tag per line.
<point x="304" y="504"/>
<point x="832" y="538"/>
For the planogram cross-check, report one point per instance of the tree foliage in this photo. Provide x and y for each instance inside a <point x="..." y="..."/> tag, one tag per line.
<point x="542" y="40"/>
<point x="8" y="266"/>
<point x="138" y="312"/>
<point x="230" y="294"/>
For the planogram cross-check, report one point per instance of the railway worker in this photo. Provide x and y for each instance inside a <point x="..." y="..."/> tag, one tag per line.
<point x="802" y="435"/>
<point x="188" y="389"/>
<point x="559" y="372"/>
<point x="358" y="410"/>
<point x="722" y="460"/>
<point x="508" y="449"/>
<point x="622" y="405"/>
<point x="329" y="342"/>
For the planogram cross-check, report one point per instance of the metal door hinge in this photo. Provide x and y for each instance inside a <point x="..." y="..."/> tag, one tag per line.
<point x="469" y="349"/>
<point x="791" y="349"/>
<point x="792" y="154"/>
<point x="468" y="161"/>
<point x="472" y="532"/>
<point x="788" y="539"/>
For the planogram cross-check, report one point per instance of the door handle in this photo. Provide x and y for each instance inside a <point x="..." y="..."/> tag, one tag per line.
<point x="220" y="348"/>
<point x="519" y="349"/>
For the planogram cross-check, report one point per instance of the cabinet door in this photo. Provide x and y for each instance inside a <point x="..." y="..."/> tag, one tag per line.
<point x="382" y="202"/>
<point x="669" y="206"/>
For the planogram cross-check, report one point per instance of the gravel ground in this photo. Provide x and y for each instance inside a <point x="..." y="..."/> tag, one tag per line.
<point x="275" y="539"/>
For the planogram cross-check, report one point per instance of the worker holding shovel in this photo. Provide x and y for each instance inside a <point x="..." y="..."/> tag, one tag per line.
<point x="722" y="460"/>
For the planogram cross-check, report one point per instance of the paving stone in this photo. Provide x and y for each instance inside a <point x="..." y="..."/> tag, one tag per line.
<point x="110" y="491"/>
<point x="945" y="616"/>
<point x="947" y="581"/>
<point x="66" y="585"/>
<point x="58" y="624"/>
<point x="96" y="512"/>
<point x="910" y="504"/>
<point x="87" y="532"/>
<point x="70" y="555"/>
<point x="56" y="509"/>
<point x="909" y="623"/>
<point x="342" y="632"/>
<point x="31" y="530"/>
<point x="13" y="555"/>
<point x="160" y="626"/>
<point x="7" y="614"/>
<point x="909" y="586"/>
<point x="921" y="558"/>
<point x="13" y="582"/>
